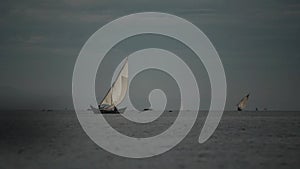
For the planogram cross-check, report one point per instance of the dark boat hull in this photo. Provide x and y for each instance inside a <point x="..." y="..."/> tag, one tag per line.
<point x="110" y="111"/>
<point x="102" y="111"/>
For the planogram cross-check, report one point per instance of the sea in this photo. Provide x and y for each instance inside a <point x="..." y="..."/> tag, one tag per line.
<point x="55" y="139"/>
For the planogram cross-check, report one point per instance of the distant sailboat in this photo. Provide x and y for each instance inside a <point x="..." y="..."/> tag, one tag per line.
<point x="115" y="94"/>
<point x="243" y="103"/>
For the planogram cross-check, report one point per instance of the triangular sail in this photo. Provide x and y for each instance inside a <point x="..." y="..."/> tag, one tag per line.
<point x="117" y="92"/>
<point x="243" y="103"/>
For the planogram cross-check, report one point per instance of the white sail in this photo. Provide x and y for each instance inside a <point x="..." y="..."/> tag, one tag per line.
<point x="243" y="103"/>
<point x="117" y="92"/>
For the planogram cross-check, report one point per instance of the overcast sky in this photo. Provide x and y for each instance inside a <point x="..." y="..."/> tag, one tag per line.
<point x="258" y="43"/>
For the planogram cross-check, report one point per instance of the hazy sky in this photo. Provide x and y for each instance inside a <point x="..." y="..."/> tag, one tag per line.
<point x="258" y="43"/>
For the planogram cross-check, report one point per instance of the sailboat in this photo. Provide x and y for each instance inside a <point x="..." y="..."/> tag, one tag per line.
<point x="243" y="103"/>
<point x="116" y="94"/>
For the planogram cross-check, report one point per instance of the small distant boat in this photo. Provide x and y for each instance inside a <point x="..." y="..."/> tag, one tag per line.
<point x="116" y="94"/>
<point x="243" y="103"/>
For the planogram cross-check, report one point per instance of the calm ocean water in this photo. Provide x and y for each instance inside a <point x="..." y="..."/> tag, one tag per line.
<point x="55" y="139"/>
